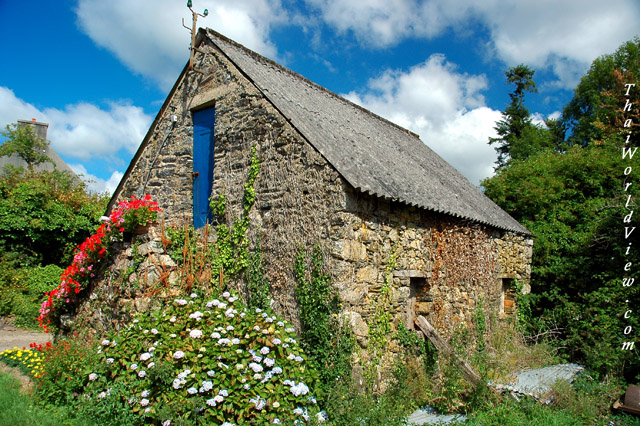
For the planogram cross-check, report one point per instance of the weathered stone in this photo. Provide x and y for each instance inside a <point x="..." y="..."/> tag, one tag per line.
<point x="150" y="247"/>
<point x="368" y="274"/>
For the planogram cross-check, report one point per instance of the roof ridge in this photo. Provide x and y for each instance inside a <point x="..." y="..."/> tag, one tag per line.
<point x="258" y="56"/>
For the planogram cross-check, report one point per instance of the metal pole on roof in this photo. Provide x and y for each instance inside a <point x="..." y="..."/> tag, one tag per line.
<point x="193" y="30"/>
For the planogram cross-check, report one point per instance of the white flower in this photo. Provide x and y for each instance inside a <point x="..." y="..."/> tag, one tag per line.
<point x="224" y="342"/>
<point x="218" y="398"/>
<point x="144" y="402"/>
<point x="233" y="299"/>
<point x="173" y="335"/>
<point x="196" y="315"/>
<point x="235" y="341"/>
<point x="230" y="328"/>
<point x="224" y="392"/>
<point x="277" y="370"/>
<point x="145" y="393"/>
<point x="264" y="315"/>
<point x="276" y="404"/>
<point x="178" y="355"/>
<point x="192" y="391"/>
<point x="154" y="331"/>
<point x="290" y="330"/>
<point x="193" y="295"/>
<point x="105" y="342"/>
<point x="269" y="362"/>
<point x="258" y="310"/>
<point x="280" y="324"/>
<point x="277" y="341"/>
<point x="145" y="356"/>
<point x="264" y="350"/>
<point x="181" y="302"/>
<point x="247" y="386"/>
<point x="226" y="294"/>
<point x="134" y="366"/>
<point x="256" y="328"/>
<point x="299" y="359"/>
<point x="276" y="421"/>
<point x="215" y="335"/>
<point x="206" y="386"/>
<point x="110" y="360"/>
<point x="291" y="357"/>
<point x="268" y="320"/>
<point x="151" y="364"/>
<point x="211" y="402"/>
<point x="173" y="319"/>
<point x="211" y="373"/>
<point x="184" y="374"/>
<point x="167" y="423"/>
<point x="102" y="395"/>
<point x="142" y="374"/>
<point x="257" y="368"/>
<point x="257" y="358"/>
<point x="195" y="334"/>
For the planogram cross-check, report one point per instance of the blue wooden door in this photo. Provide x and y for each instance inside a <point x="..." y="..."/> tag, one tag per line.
<point x="203" y="143"/>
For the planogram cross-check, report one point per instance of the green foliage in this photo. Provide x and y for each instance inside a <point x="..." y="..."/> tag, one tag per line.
<point x="22" y="141"/>
<point x="43" y="216"/>
<point x="204" y="361"/>
<point x="66" y="367"/>
<point x="591" y="102"/>
<point x="380" y="324"/>
<point x="573" y="203"/>
<point x="230" y="252"/>
<point x="517" y="137"/>
<point x="258" y="285"/>
<point x="24" y="289"/>
<point x="328" y="343"/>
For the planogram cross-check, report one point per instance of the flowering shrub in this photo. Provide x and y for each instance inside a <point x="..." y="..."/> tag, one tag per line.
<point x="87" y="256"/>
<point x="211" y="359"/>
<point x="63" y="371"/>
<point x="29" y="361"/>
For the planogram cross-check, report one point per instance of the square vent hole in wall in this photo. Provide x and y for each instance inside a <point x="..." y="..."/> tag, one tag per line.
<point x="507" y="297"/>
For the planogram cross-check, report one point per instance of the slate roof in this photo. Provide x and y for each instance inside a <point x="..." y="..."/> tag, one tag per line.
<point x="374" y="155"/>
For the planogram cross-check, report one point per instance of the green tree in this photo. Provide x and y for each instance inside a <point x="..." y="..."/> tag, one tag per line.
<point x="518" y="137"/>
<point x="592" y="101"/>
<point x="22" y="140"/>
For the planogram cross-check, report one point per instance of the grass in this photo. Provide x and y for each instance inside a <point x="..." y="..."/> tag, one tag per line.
<point x="18" y="409"/>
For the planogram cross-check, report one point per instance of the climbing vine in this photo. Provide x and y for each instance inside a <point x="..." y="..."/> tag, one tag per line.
<point x="327" y="342"/>
<point x="229" y="254"/>
<point x="380" y="325"/>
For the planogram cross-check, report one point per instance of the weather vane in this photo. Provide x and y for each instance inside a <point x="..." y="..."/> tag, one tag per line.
<point x="193" y="30"/>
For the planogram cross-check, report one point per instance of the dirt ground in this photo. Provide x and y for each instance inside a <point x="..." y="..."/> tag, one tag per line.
<point x="12" y="337"/>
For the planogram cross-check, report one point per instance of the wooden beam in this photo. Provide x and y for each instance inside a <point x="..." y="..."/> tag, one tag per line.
<point x="443" y="347"/>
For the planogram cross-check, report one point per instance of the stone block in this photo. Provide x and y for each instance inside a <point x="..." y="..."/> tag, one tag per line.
<point x="349" y="250"/>
<point x="368" y="274"/>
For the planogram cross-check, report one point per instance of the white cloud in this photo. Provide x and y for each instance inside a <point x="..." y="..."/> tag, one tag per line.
<point x="148" y="37"/>
<point x="444" y="107"/>
<point x="83" y="131"/>
<point x="94" y="183"/>
<point x="565" y="36"/>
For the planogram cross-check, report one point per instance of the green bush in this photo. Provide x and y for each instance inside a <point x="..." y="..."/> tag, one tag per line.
<point x="210" y="361"/>
<point x="29" y="285"/>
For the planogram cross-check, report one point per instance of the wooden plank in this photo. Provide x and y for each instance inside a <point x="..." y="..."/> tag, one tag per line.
<point x="443" y="347"/>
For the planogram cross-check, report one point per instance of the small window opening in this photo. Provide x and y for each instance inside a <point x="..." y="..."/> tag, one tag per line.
<point x="419" y="300"/>
<point x="507" y="297"/>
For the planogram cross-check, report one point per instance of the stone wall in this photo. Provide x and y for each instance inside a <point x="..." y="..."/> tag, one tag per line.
<point x="444" y="265"/>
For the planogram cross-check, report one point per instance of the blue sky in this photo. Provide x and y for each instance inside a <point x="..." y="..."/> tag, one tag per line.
<point x="98" y="71"/>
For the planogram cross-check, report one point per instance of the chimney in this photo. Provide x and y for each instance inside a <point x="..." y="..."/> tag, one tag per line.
<point x="40" y="129"/>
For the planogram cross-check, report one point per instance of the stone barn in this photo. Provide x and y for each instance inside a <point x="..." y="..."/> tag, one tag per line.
<point x="332" y="174"/>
